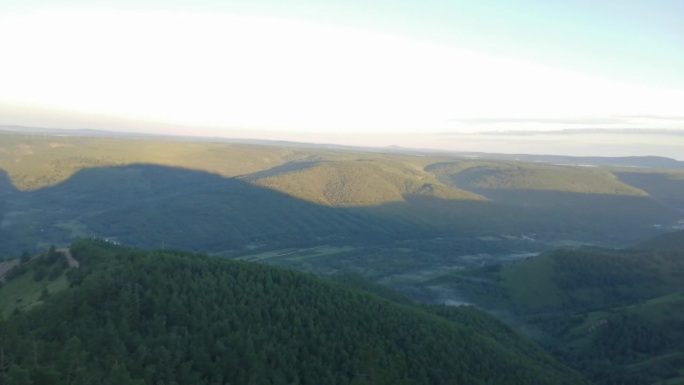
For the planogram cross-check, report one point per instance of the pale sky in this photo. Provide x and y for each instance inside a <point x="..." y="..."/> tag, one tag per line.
<point x="374" y="67"/>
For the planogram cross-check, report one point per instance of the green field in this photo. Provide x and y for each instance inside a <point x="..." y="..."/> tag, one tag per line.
<point x="23" y="293"/>
<point x="30" y="283"/>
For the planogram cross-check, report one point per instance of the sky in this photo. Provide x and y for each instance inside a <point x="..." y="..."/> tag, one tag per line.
<point x="461" y="75"/>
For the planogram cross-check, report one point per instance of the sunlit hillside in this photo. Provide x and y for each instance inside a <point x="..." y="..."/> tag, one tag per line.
<point x="36" y="161"/>
<point x="479" y="175"/>
<point x="361" y="182"/>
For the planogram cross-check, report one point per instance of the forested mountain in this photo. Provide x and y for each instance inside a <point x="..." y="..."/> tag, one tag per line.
<point x="151" y="317"/>
<point x="615" y="315"/>
<point x="230" y="198"/>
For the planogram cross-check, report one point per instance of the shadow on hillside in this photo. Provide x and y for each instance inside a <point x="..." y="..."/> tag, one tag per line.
<point x="582" y="205"/>
<point x="153" y="206"/>
<point x="158" y="206"/>
<point x="6" y="186"/>
<point x="665" y="188"/>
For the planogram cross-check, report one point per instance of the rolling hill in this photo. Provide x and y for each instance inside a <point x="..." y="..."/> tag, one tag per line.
<point x="479" y="175"/>
<point x="361" y="183"/>
<point x="231" y="198"/>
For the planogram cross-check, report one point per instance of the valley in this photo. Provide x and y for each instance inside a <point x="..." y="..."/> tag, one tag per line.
<point x="550" y="245"/>
<point x="227" y="198"/>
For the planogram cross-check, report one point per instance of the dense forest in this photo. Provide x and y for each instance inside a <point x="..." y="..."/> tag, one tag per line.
<point x="162" y="317"/>
<point x="614" y="315"/>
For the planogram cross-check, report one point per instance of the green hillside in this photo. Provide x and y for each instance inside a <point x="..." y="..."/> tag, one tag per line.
<point x="232" y="198"/>
<point x="150" y="317"/>
<point x="615" y="315"/>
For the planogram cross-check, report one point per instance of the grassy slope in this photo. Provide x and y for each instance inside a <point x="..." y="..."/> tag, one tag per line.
<point x="24" y="290"/>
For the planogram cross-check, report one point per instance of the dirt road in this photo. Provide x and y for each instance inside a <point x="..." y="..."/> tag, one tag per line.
<point x="67" y="254"/>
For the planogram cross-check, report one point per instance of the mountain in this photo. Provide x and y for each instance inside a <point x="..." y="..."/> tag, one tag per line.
<point x="148" y="317"/>
<point x="614" y="315"/>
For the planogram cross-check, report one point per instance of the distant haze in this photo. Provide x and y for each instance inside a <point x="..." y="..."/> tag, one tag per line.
<point x="419" y="74"/>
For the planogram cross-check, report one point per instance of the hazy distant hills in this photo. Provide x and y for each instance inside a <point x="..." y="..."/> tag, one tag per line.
<point x="653" y="162"/>
<point x="219" y="197"/>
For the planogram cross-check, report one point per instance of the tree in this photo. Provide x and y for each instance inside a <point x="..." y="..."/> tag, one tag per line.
<point x="25" y="257"/>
